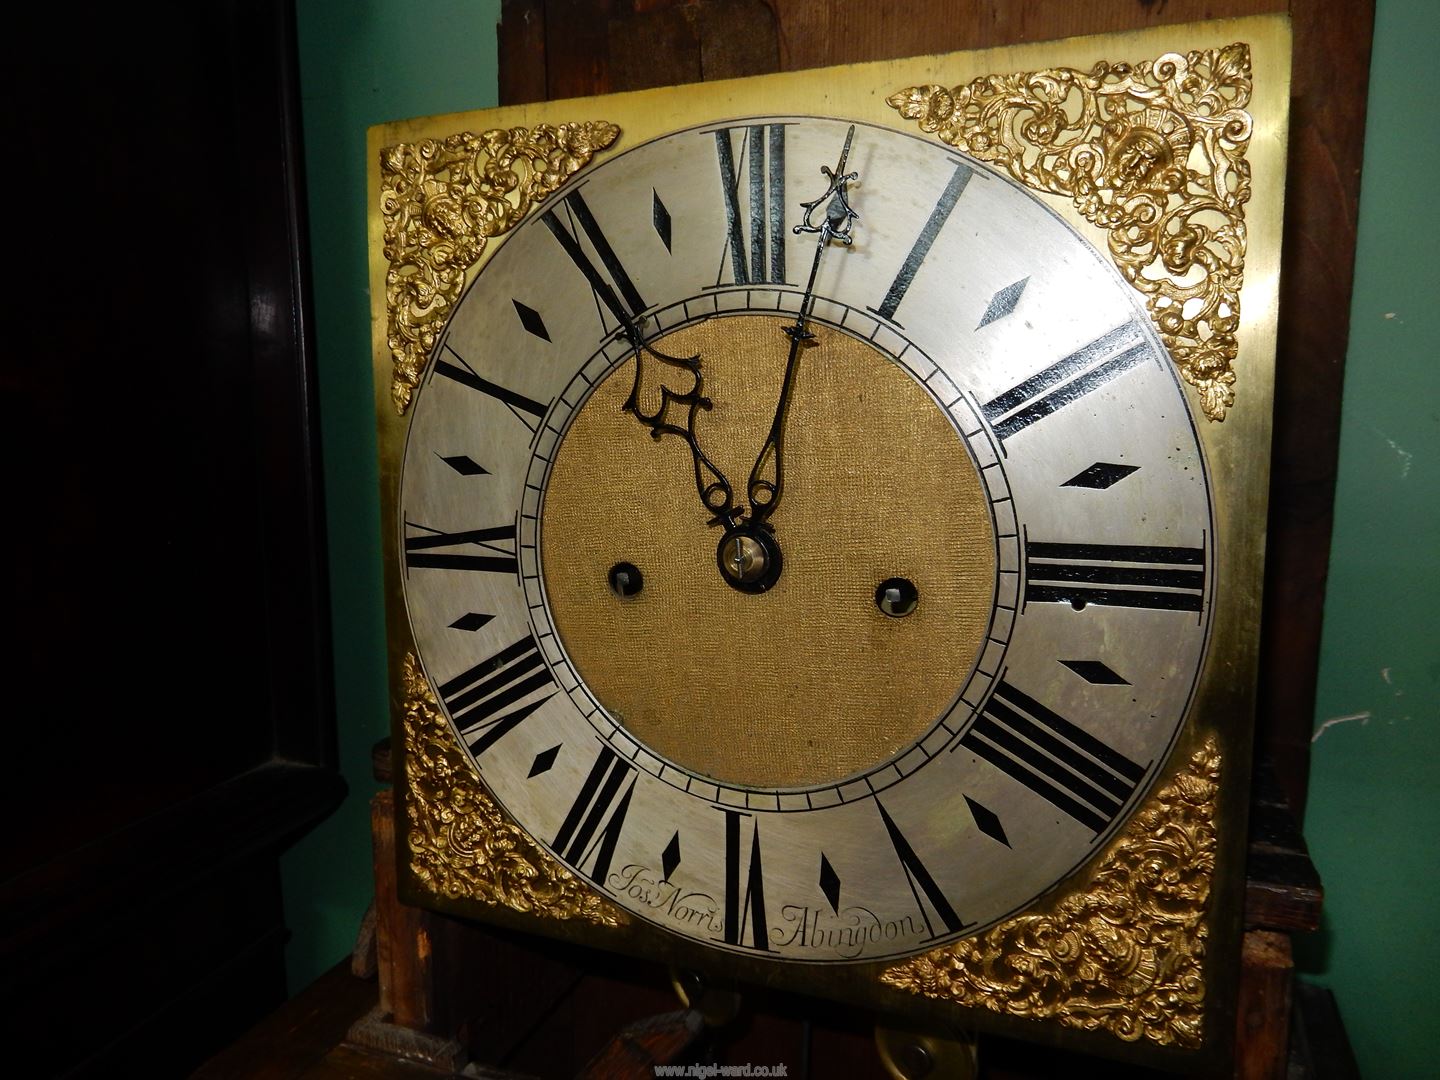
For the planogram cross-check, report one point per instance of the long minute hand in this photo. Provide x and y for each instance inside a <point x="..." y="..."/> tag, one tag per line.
<point x="767" y="478"/>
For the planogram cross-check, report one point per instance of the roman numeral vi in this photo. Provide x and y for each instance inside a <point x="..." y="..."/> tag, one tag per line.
<point x="744" y="907"/>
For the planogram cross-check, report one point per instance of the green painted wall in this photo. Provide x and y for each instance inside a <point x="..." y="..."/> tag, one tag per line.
<point x="360" y="64"/>
<point x="1373" y="821"/>
<point x="1375" y="804"/>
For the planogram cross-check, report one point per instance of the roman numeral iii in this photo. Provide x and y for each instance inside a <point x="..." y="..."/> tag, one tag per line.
<point x="1115" y="575"/>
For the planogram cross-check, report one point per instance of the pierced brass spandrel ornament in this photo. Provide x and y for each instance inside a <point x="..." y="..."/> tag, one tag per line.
<point x="1154" y="153"/>
<point x="1125" y="954"/>
<point x="461" y="844"/>
<point x="441" y="200"/>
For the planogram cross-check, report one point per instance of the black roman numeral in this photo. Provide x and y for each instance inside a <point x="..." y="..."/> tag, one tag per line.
<point x="1062" y="383"/>
<point x="911" y="266"/>
<point x="421" y="553"/>
<point x="763" y="147"/>
<point x="917" y="875"/>
<point x="747" y="907"/>
<point x="476" y="698"/>
<point x="527" y="410"/>
<point x="624" y="305"/>
<point x="1070" y="768"/>
<point x="1115" y="575"/>
<point x="586" y="836"/>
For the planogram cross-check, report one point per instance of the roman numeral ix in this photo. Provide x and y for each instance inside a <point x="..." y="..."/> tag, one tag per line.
<point x="1068" y="767"/>
<point x="498" y="544"/>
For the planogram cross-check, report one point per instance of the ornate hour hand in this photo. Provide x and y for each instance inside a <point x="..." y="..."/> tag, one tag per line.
<point x="767" y="478"/>
<point x="715" y="492"/>
<point x="619" y="295"/>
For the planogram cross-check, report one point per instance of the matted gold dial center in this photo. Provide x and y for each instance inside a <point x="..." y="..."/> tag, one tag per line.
<point x="878" y="486"/>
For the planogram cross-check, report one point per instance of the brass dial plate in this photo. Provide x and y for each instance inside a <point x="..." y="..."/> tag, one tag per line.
<point x="1033" y="351"/>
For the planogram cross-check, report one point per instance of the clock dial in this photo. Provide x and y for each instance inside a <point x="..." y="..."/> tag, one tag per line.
<point x="995" y="591"/>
